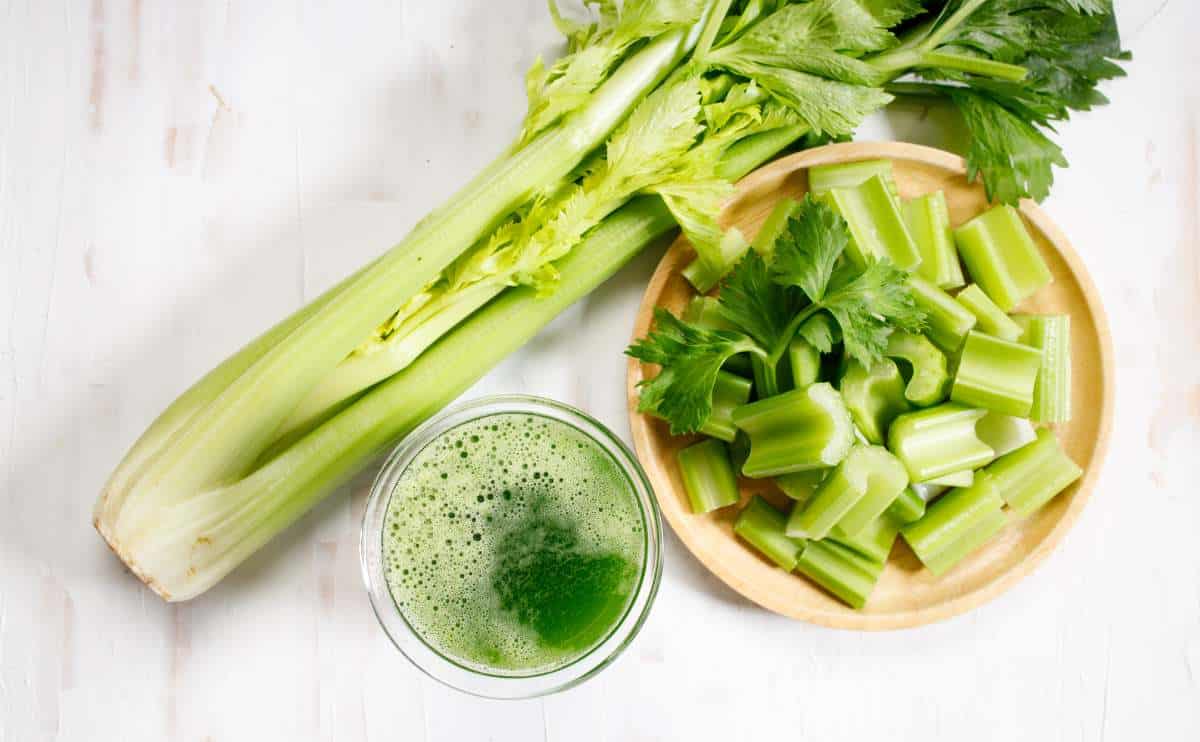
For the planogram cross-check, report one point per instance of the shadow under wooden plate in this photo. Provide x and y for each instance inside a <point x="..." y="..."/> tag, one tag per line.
<point x="906" y="594"/>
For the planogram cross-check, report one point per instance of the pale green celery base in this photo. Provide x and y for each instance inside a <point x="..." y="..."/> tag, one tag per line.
<point x="1004" y="433"/>
<point x="184" y="560"/>
<point x="762" y="526"/>
<point x="928" y="220"/>
<point x="839" y="570"/>
<point x="708" y="476"/>
<point x="995" y="374"/>
<point x="947" y="321"/>
<point x="938" y="441"/>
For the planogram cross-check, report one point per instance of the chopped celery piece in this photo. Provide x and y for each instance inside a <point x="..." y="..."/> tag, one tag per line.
<point x="928" y="222"/>
<point x="877" y="230"/>
<point x="1001" y="256"/>
<point x="930" y="381"/>
<point x="762" y="526"/>
<point x="801" y="485"/>
<point x="739" y="451"/>
<point x="962" y="478"/>
<point x="989" y="317"/>
<point x="822" y="178"/>
<point x="1051" y="334"/>
<point x="776" y="223"/>
<point x="854" y="494"/>
<point x="996" y="375"/>
<point x="946" y="321"/>
<point x="938" y="441"/>
<point x="802" y="429"/>
<point x="805" y="363"/>
<point x="705" y="274"/>
<point x="874" y="397"/>
<point x="875" y="541"/>
<point x="1004" y="433"/>
<point x="1030" y="476"/>
<point x="908" y="507"/>
<point x="729" y="393"/>
<point x="847" y="575"/>
<point x="937" y="538"/>
<point x="989" y="525"/>
<point x="708" y="476"/>
<point x="928" y="492"/>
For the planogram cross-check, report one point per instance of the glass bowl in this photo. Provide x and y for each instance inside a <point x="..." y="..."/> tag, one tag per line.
<point x="507" y="684"/>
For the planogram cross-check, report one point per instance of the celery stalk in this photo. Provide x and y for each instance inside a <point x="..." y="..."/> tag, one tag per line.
<point x="996" y="375"/>
<point x="729" y="393"/>
<point x="1001" y="256"/>
<point x="873" y="542"/>
<point x="867" y="481"/>
<point x="990" y="318"/>
<point x="877" y="229"/>
<point x="822" y="178"/>
<point x="775" y="225"/>
<point x="708" y="476"/>
<point x="844" y="573"/>
<point x="938" y="441"/>
<point x="762" y="526"/>
<point x="907" y="508"/>
<point x="928" y="221"/>
<point x="805" y="363"/>
<point x="1051" y="334"/>
<point x="938" y="537"/>
<point x="980" y="533"/>
<point x="962" y="478"/>
<point x="802" y="429"/>
<point x="874" y="397"/>
<point x="1031" y="476"/>
<point x="801" y="485"/>
<point x="929" y="382"/>
<point x="947" y="321"/>
<point x="928" y="492"/>
<point x="705" y="274"/>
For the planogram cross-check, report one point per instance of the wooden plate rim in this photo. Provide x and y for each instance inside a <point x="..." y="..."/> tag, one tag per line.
<point x="847" y="619"/>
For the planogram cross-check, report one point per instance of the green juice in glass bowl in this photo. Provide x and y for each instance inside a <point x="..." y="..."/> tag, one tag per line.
<point x="517" y="547"/>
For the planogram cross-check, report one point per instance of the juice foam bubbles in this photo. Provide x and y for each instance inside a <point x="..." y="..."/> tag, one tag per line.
<point x="513" y="544"/>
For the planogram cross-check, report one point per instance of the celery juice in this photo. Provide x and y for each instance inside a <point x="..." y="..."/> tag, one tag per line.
<point x="513" y="544"/>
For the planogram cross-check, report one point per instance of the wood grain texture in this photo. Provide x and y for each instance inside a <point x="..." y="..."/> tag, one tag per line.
<point x="144" y="239"/>
<point x="906" y="594"/>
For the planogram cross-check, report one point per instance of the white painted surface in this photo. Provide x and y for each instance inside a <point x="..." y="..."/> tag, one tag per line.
<point x="176" y="176"/>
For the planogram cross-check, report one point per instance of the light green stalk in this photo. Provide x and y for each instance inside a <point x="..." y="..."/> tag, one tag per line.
<point x="928" y="220"/>
<point x="1001" y="256"/>
<point x="795" y="431"/>
<point x="938" y="441"/>
<point x="1051" y="334"/>
<point x="873" y="542"/>
<point x="908" y="507"/>
<point x="996" y="375"/>
<point x="989" y="317"/>
<point x="708" y="477"/>
<point x="822" y="178"/>
<point x="862" y="486"/>
<point x="929" y="381"/>
<point x="877" y="229"/>
<point x="874" y="397"/>
<point x="1031" y="476"/>
<point x="947" y="321"/>
<point x="762" y="526"/>
<point x="955" y="525"/>
<point x="846" y="574"/>
<point x="804" y="362"/>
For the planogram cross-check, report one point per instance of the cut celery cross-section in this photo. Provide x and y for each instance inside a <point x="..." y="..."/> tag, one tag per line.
<point x="996" y="375"/>
<point x="729" y="393"/>
<point x="908" y="507"/>
<point x="1032" y="475"/>
<point x="989" y="317"/>
<point x="877" y="229"/>
<point x="867" y="481"/>
<point x="938" y="441"/>
<point x="929" y="382"/>
<point x="874" y="542"/>
<point x="928" y="221"/>
<point x="708" y="476"/>
<point x="1051" y="334"/>
<point x="801" y="485"/>
<point x="874" y="397"/>
<point x="947" y="322"/>
<point x="805" y="363"/>
<point x="762" y="526"/>
<point x="802" y="429"/>
<point x="1001" y="256"/>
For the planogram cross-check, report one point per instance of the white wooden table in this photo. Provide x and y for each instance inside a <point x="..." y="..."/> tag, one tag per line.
<point x="174" y="176"/>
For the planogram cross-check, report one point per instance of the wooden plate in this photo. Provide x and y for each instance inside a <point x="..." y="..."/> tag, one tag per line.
<point x="906" y="594"/>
